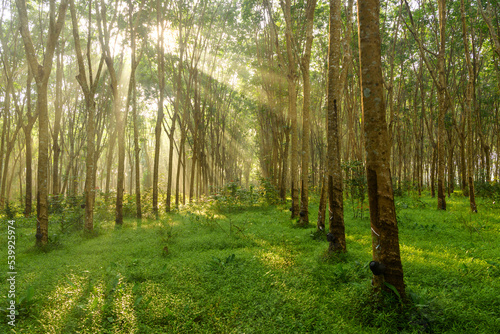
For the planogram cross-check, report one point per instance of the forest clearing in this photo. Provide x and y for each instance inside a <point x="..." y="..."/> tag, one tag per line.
<point x="249" y="166"/>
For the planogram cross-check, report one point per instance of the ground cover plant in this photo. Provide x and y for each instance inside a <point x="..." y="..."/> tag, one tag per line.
<point x="215" y="268"/>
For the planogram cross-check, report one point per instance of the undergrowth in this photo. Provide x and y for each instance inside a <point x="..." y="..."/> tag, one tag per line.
<point x="238" y="265"/>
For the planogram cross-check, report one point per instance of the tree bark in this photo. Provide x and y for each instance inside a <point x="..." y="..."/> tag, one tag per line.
<point x="385" y="240"/>
<point x="306" y="111"/>
<point x="468" y="109"/>
<point x="57" y="122"/>
<point x="133" y="96"/>
<point x="443" y="103"/>
<point x="322" y="203"/>
<point x="159" y="117"/>
<point x="337" y="241"/>
<point x="292" y="108"/>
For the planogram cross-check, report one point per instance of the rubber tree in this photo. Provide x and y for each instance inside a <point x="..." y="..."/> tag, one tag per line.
<point x="41" y="73"/>
<point x="386" y="265"/>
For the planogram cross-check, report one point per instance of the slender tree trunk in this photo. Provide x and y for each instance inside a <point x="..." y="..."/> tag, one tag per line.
<point x="433" y="171"/>
<point x="468" y="110"/>
<point x="284" y="168"/>
<point x="179" y="166"/>
<point x="29" y="175"/>
<point x="133" y="96"/>
<point x="292" y="109"/>
<point x="57" y="122"/>
<point x="42" y="196"/>
<point x="386" y="264"/>
<point x="120" y="186"/>
<point x="42" y="74"/>
<point x="443" y="103"/>
<point x="120" y="116"/>
<point x="109" y="161"/>
<point x="322" y="203"/>
<point x="450" y="163"/>
<point x="137" y="150"/>
<point x="170" y="164"/>
<point x="159" y="117"/>
<point x="463" y="166"/>
<point x="306" y="111"/>
<point x="336" y="238"/>
<point x="172" y="128"/>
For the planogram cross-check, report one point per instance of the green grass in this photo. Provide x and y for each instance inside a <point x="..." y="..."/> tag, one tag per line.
<point x="252" y="271"/>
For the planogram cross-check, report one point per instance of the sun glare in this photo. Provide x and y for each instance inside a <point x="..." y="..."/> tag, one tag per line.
<point x="169" y="38"/>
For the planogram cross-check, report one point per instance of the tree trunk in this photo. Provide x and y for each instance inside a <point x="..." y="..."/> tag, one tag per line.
<point x="42" y="196"/>
<point x="172" y="128"/>
<point x="433" y="171"/>
<point x="306" y="111"/>
<point x="386" y="264"/>
<point x="450" y="163"/>
<point x="322" y="203"/>
<point x="133" y="96"/>
<point x="463" y="167"/>
<point x="42" y="74"/>
<point x="284" y="168"/>
<point x="57" y="122"/>
<point x="292" y="109"/>
<point x="336" y="238"/>
<point x="159" y="117"/>
<point x="179" y="163"/>
<point x="109" y="161"/>
<point x="443" y="103"/>
<point x="120" y="183"/>
<point x="29" y="159"/>
<point x="468" y="110"/>
<point x="170" y="163"/>
<point x="120" y="116"/>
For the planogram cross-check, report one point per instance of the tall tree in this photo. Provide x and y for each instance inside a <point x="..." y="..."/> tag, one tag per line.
<point x="335" y="189"/>
<point x="27" y="129"/>
<point x="104" y="38"/>
<point x="468" y="109"/>
<point x="440" y="82"/>
<point x="88" y="83"/>
<point x="58" y="106"/>
<point x="306" y="111"/>
<point x="161" y="96"/>
<point x="132" y="99"/>
<point x="386" y="265"/>
<point x="41" y="73"/>
<point x="292" y="104"/>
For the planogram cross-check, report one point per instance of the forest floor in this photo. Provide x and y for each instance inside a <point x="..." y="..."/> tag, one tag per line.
<point x="248" y="269"/>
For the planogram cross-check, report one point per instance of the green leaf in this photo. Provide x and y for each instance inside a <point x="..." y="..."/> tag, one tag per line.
<point x="30" y="293"/>
<point x="393" y="288"/>
<point x="138" y="300"/>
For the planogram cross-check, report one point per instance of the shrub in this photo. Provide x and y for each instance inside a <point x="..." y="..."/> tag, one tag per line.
<point x="11" y="210"/>
<point x="487" y="189"/>
<point x="268" y="191"/>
